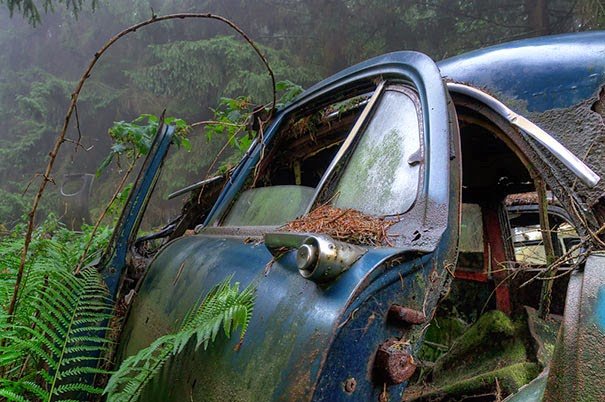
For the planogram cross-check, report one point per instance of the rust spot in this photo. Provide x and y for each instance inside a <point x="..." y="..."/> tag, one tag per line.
<point x="403" y="315"/>
<point x="350" y="385"/>
<point x="394" y="364"/>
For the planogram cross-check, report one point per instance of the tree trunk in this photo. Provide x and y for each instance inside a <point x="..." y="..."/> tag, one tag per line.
<point x="537" y="16"/>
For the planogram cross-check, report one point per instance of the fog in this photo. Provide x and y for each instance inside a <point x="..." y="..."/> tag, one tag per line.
<point x="186" y="66"/>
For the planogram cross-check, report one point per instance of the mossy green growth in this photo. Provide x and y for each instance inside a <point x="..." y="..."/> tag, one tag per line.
<point x="510" y="379"/>
<point x="544" y="334"/>
<point x="273" y="205"/>
<point x="440" y="336"/>
<point x="492" y="343"/>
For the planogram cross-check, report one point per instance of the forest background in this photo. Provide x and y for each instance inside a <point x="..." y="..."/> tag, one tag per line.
<point x="186" y="67"/>
<point x="194" y="70"/>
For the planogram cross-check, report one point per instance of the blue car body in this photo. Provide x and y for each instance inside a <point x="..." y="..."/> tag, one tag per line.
<point x="323" y="340"/>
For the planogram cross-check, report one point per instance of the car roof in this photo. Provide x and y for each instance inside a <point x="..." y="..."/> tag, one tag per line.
<point x="541" y="73"/>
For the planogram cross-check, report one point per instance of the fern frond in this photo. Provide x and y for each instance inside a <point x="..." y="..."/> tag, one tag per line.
<point x="224" y="306"/>
<point x="35" y="390"/>
<point x="12" y="396"/>
<point x="50" y="347"/>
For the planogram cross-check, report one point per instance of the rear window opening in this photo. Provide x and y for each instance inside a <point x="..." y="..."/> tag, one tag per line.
<point x="501" y="251"/>
<point x="501" y="245"/>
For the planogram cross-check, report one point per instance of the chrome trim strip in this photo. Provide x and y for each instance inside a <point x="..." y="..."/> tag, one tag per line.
<point x="194" y="186"/>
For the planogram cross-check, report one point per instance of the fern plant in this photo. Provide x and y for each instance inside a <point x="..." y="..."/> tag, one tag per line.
<point x="50" y="347"/>
<point x="224" y="306"/>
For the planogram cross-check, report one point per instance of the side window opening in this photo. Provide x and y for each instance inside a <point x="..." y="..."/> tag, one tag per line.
<point x="373" y="167"/>
<point x="528" y="239"/>
<point x="284" y="182"/>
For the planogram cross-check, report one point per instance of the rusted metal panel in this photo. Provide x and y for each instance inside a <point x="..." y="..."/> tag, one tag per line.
<point x="576" y="371"/>
<point x="471" y="276"/>
<point x="294" y="326"/>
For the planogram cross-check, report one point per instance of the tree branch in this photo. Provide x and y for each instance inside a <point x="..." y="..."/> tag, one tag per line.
<point x="60" y="139"/>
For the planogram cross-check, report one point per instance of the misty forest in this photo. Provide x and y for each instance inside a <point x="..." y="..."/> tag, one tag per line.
<point x="86" y="89"/>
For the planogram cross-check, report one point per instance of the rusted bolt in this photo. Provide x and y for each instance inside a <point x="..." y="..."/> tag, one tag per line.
<point x="350" y="384"/>
<point x="394" y="364"/>
<point x="406" y="316"/>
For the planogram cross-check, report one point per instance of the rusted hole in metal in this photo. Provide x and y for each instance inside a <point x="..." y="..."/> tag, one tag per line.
<point x="405" y="316"/>
<point x="417" y="236"/>
<point x="350" y="385"/>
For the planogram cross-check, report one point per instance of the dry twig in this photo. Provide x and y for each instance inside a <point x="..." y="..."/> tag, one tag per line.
<point x="102" y="216"/>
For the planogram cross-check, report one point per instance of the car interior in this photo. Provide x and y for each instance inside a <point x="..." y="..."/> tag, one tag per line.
<point x="494" y="293"/>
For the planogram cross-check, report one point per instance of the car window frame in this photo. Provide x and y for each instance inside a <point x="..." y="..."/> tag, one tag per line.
<point x="333" y="174"/>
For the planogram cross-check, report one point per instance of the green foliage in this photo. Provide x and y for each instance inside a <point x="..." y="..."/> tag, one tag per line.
<point x="115" y="209"/>
<point x="50" y="347"/>
<point x="32" y="108"/>
<point x="232" y="116"/>
<point x="224" y="307"/>
<point x="233" y="119"/>
<point x="31" y="8"/>
<point x="287" y="90"/>
<point x="220" y="66"/>
<point x="13" y="207"/>
<point x="33" y="117"/>
<point x="134" y="139"/>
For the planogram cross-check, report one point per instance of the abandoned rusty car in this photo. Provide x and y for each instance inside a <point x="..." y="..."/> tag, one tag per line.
<point x="414" y="230"/>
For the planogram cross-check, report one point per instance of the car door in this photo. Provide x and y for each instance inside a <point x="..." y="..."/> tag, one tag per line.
<point x="390" y="151"/>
